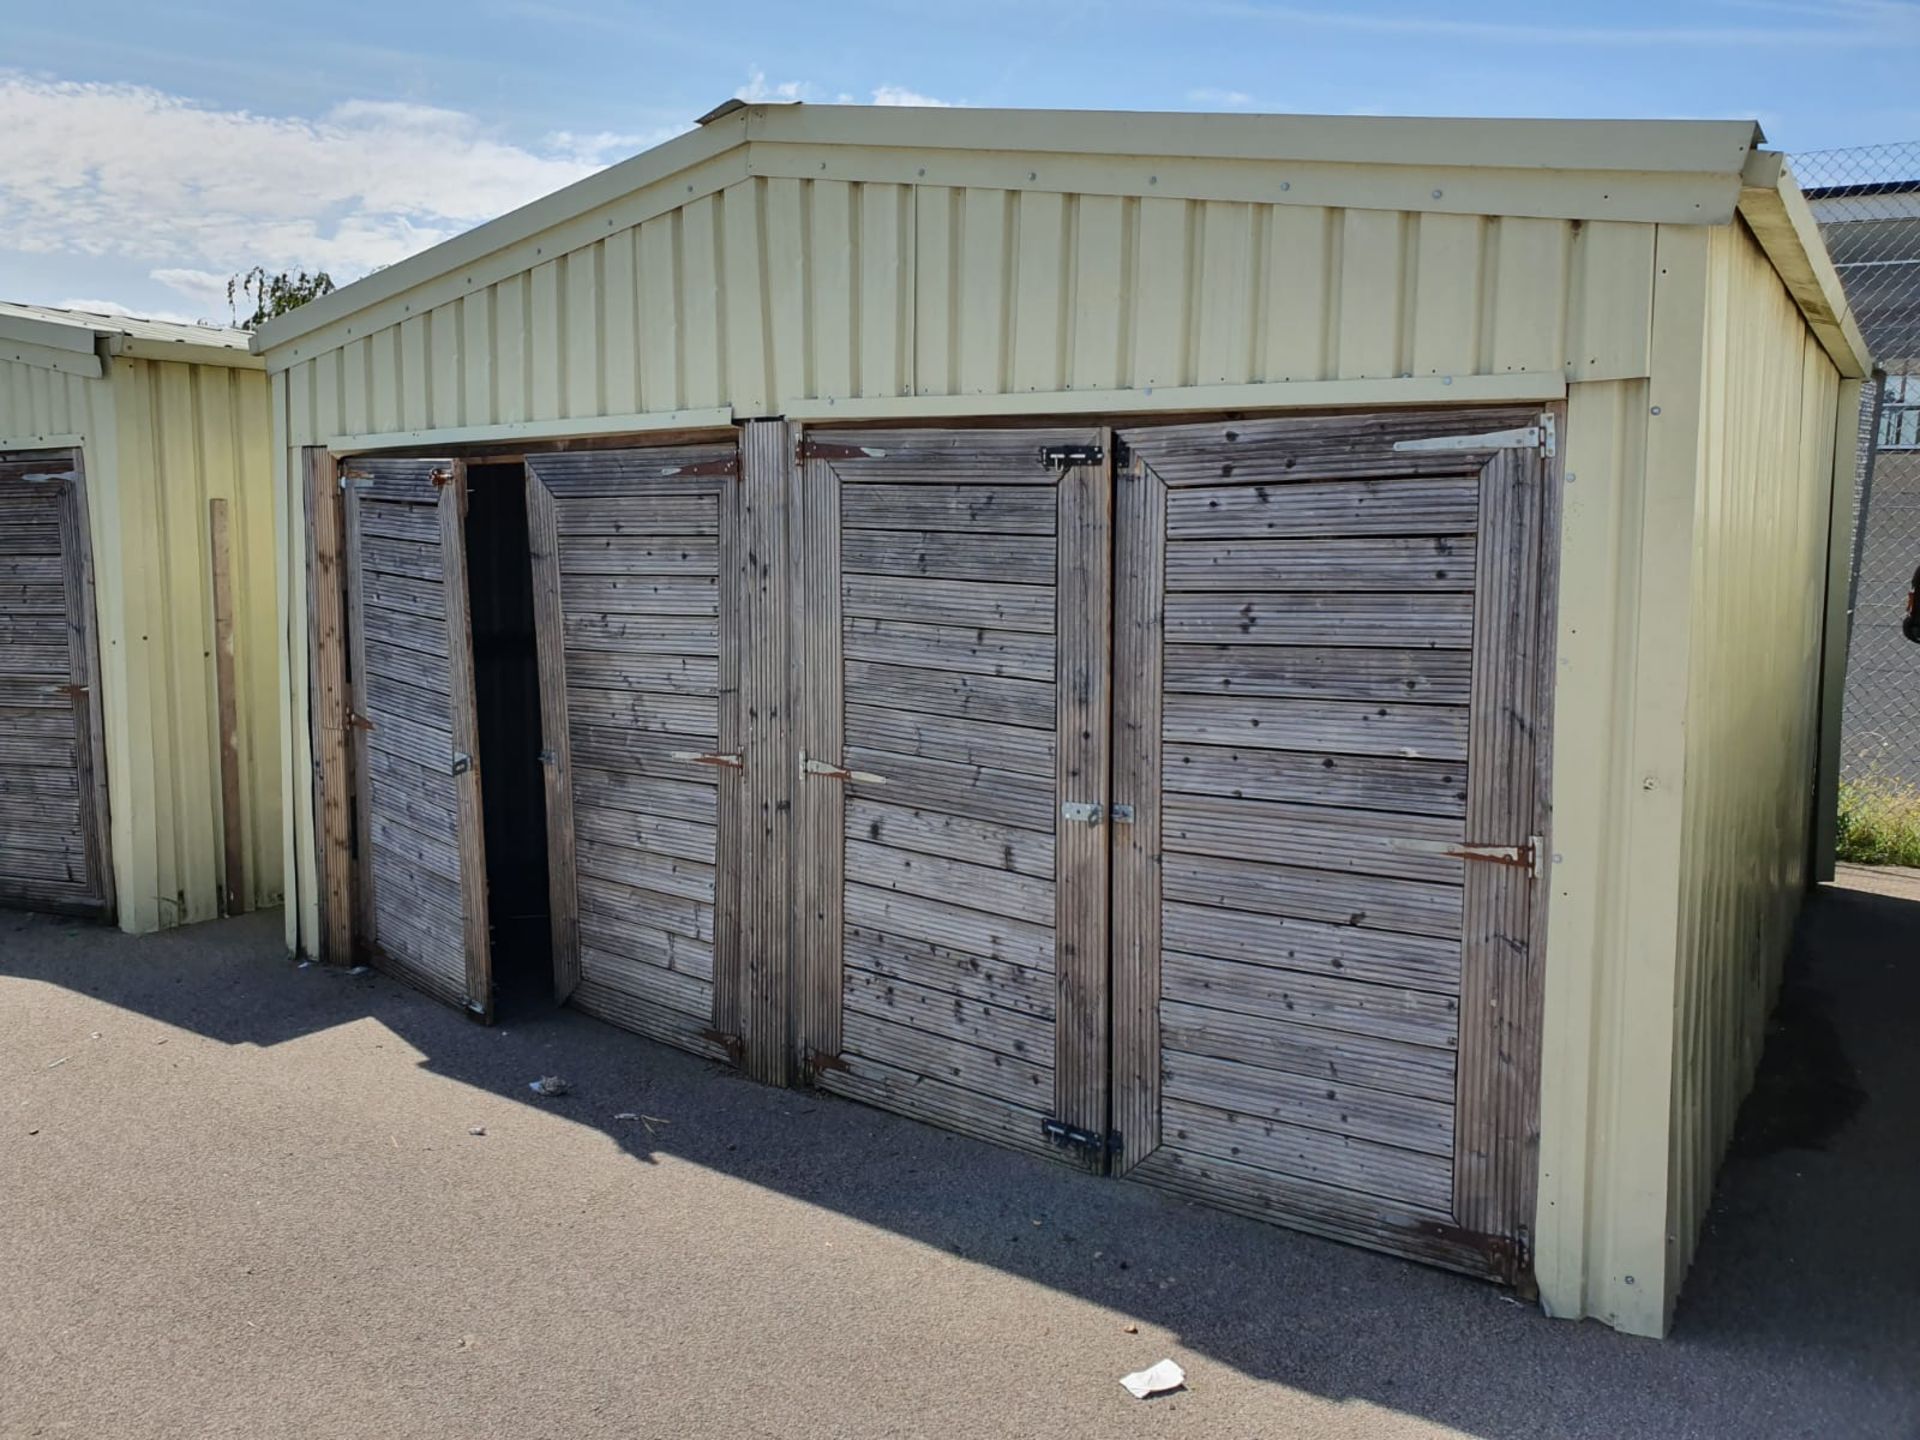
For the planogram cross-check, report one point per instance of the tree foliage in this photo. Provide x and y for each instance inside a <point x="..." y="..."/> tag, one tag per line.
<point x="271" y="295"/>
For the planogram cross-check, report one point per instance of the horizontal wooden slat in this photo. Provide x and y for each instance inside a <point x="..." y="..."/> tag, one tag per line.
<point x="669" y="989"/>
<point x="1412" y="732"/>
<point x="22" y="746"/>
<point x="645" y="795"/>
<point x="31" y="569"/>
<point x="395" y="478"/>
<point x="1000" y="892"/>
<point x="643" y="710"/>
<point x="683" y="839"/>
<point x="640" y="555"/>
<point x="426" y="799"/>
<point x="20" y="781"/>
<point x="1437" y="676"/>
<point x="960" y="972"/>
<point x="1017" y="1080"/>
<point x="419" y="667"/>
<point x="952" y="1107"/>
<point x="662" y="514"/>
<point x="1024" y="852"/>
<point x="642" y="471"/>
<point x="669" y="1027"/>
<point x="1408" y="564"/>
<point x="936" y="455"/>
<point x="42" y="659"/>
<point x="1352" y="507"/>
<point x="61" y="864"/>
<point x="629" y="670"/>
<point x="950" y="555"/>
<point x="623" y="904"/>
<point x="1443" y="621"/>
<point x="645" y="870"/>
<point x="1372" y="902"/>
<point x="946" y="692"/>
<point x="1323" y="1055"/>
<point x="36" y="692"/>
<point x="23" y="597"/>
<point x="29" y="537"/>
<point x="1416" y="962"/>
<point x="436" y="854"/>
<point x="988" y="606"/>
<point x="406" y="594"/>
<point x="400" y="557"/>
<point x="995" y="796"/>
<point x="1324" y="1002"/>
<point x="387" y="698"/>
<point x="961" y="739"/>
<point x="1339" y="1107"/>
<point x="1426" y="787"/>
<point x="422" y="632"/>
<point x="1361" y="841"/>
<point x="430" y="900"/>
<point x="639" y="595"/>
<point x="950" y="1016"/>
<point x="1289" y="449"/>
<point x="32" y="630"/>
<point x="996" y="509"/>
<point x="1303" y="1154"/>
<point x="424" y="744"/>
<point x="1012" y="653"/>
<point x="390" y="521"/>
<point x="649" y="945"/>
<point x="885" y="914"/>
<point x="644" y="634"/>
<point x="641" y="752"/>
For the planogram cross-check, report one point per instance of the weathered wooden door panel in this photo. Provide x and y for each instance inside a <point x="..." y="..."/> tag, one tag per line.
<point x="1328" y="638"/>
<point x="422" y="908"/>
<point x="635" y="604"/>
<point x="951" y="647"/>
<point x="53" y="809"/>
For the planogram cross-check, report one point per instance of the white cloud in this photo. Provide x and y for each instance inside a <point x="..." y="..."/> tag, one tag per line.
<point x="130" y="171"/>
<point x="900" y="95"/>
<point x="206" y="286"/>
<point x="1221" y="99"/>
<point x="758" y="90"/>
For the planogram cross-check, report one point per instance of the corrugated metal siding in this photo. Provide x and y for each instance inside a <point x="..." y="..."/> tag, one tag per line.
<point x="773" y="291"/>
<point x="159" y="440"/>
<point x="1761" y="529"/>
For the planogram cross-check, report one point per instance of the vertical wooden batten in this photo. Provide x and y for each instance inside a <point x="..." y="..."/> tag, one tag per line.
<point x="765" y="873"/>
<point x="233" y="847"/>
<point x="84" y="649"/>
<point x="466" y="743"/>
<point x="1082" y="778"/>
<point x="549" y="623"/>
<point x="364" y="908"/>
<point x="1139" y="597"/>
<point x="326" y="648"/>
<point x="819" y="902"/>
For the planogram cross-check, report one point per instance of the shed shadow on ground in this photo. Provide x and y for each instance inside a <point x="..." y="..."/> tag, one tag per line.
<point x="1802" y="1292"/>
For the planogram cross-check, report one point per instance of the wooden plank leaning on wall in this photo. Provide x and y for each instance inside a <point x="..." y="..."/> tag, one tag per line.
<point x="233" y="853"/>
<point x="326" y="648"/>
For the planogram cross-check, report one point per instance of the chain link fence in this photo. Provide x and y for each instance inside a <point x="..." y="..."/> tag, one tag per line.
<point x="1867" y="200"/>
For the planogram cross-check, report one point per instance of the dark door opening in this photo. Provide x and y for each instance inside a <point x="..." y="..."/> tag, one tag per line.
<point x="506" y="689"/>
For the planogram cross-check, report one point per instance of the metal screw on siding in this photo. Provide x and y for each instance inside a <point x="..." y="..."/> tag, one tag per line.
<point x="1655" y="410"/>
<point x="1629" y="1280"/>
<point x="1153" y="179"/>
<point x="1286" y="184"/>
<point x="1436" y="194"/>
<point x="1033" y="175"/>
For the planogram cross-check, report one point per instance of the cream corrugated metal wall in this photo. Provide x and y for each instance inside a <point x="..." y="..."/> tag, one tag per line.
<point x="1752" y="710"/>
<point x="159" y="440"/>
<point x="895" y="290"/>
<point x="1693" y="565"/>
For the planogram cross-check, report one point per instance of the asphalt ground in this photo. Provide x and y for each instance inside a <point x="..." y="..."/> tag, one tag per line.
<point x="243" y="1198"/>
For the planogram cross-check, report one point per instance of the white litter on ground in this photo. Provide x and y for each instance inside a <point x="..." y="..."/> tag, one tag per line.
<point x="1154" y="1380"/>
<point x="549" y="1085"/>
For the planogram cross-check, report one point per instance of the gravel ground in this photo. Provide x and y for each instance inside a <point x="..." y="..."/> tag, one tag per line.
<point x="243" y="1198"/>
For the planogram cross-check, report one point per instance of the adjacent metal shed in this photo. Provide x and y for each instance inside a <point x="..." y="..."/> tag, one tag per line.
<point x="1276" y="657"/>
<point x="140" y="709"/>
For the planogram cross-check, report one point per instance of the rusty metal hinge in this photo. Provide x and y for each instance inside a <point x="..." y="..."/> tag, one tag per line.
<point x="440" y="477"/>
<point x="355" y="480"/>
<point x="72" y="692"/>
<point x="724" y="465"/>
<point x="814" y="1061"/>
<point x="733" y="761"/>
<point x="811" y="449"/>
<point x="731" y="1043"/>
<point x="810" y="766"/>
<point x="1529" y="857"/>
<point x="357" y="721"/>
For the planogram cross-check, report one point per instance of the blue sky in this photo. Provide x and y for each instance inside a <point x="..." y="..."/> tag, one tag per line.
<point x="148" y="151"/>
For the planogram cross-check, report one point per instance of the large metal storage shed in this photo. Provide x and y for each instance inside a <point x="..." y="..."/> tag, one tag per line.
<point x="140" y="709"/>
<point x="1276" y="657"/>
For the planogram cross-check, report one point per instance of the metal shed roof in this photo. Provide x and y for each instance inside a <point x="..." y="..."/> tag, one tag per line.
<point x="66" y="339"/>
<point x="1657" y="171"/>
